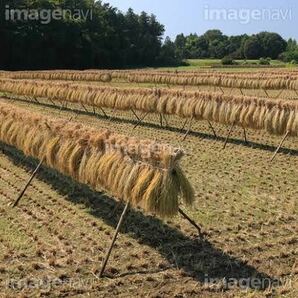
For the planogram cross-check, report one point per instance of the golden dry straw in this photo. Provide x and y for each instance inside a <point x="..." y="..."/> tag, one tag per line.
<point x="144" y="172"/>
<point x="100" y="76"/>
<point x="274" y="116"/>
<point x="275" y="80"/>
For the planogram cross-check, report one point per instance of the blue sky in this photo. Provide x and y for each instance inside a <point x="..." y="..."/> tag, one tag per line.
<point x="231" y="16"/>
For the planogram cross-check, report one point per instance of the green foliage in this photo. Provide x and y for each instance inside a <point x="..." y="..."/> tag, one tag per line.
<point x="107" y="38"/>
<point x="227" y="60"/>
<point x="264" y="61"/>
<point x="291" y="53"/>
<point x="168" y="55"/>
<point x="214" y="44"/>
<point x="252" y="48"/>
<point x="289" y="56"/>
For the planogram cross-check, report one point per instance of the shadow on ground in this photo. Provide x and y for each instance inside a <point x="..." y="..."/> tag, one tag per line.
<point x="198" y="258"/>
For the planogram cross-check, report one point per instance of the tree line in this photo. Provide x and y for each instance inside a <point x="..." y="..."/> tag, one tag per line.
<point x="108" y="38"/>
<point x="214" y="44"/>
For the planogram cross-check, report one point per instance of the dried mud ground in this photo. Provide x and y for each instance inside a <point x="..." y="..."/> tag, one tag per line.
<point x="53" y="243"/>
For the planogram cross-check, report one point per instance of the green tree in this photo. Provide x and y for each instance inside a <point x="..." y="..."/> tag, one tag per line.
<point x="180" y="46"/>
<point x="272" y="44"/>
<point x="168" y="56"/>
<point x="108" y="39"/>
<point x="252" y="48"/>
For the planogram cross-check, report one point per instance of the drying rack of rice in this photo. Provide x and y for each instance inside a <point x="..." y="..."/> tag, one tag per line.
<point x="278" y="80"/>
<point x="275" y="116"/>
<point x="72" y="75"/>
<point x="143" y="172"/>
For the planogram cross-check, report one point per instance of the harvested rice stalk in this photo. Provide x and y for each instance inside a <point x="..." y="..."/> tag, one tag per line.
<point x="143" y="172"/>
<point x="273" y="115"/>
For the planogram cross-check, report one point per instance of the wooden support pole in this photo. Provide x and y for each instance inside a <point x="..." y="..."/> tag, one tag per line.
<point x="33" y="175"/>
<point x="184" y="124"/>
<point x="52" y="102"/>
<point x="142" y="118"/>
<point x="166" y="121"/>
<point x="279" y="94"/>
<point x="188" y="130"/>
<point x="84" y="108"/>
<point x="244" y="133"/>
<point x="30" y="98"/>
<point x="103" y="111"/>
<point x="61" y="107"/>
<point x="191" y="221"/>
<point x="104" y="264"/>
<point x="112" y="116"/>
<point x="35" y="99"/>
<point x="135" y="114"/>
<point x="160" y="120"/>
<point x="266" y="92"/>
<point x="27" y="184"/>
<point x="241" y="91"/>
<point x="279" y="146"/>
<point x="212" y="128"/>
<point x="228" y="136"/>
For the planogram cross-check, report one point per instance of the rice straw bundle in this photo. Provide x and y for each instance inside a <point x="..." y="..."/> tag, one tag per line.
<point x="276" y="80"/>
<point x="274" y="116"/>
<point x="143" y="172"/>
<point x="100" y="76"/>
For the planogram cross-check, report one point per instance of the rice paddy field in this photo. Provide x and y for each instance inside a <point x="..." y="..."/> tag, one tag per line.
<point x="53" y="243"/>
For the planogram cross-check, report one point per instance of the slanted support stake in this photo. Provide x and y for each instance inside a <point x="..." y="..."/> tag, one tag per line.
<point x="279" y="146"/>
<point x="104" y="113"/>
<point x="160" y="120"/>
<point x="188" y="129"/>
<point x="27" y="185"/>
<point x="141" y="119"/>
<point x="106" y="259"/>
<point x="138" y="118"/>
<point x="184" y="124"/>
<point x="191" y="221"/>
<point x="228" y="136"/>
<point x="84" y="108"/>
<point x="212" y="128"/>
<point x="245" y="135"/>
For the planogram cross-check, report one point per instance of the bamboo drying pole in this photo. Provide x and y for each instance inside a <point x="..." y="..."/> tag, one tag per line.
<point x="212" y="128"/>
<point x="104" y="264"/>
<point x="184" y="124"/>
<point x="279" y="146"/>
<point x="27" y="184"/>
<point x="188" y="130"/>
<point x="229" y="133"/>
<point x="141" y="120"/>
